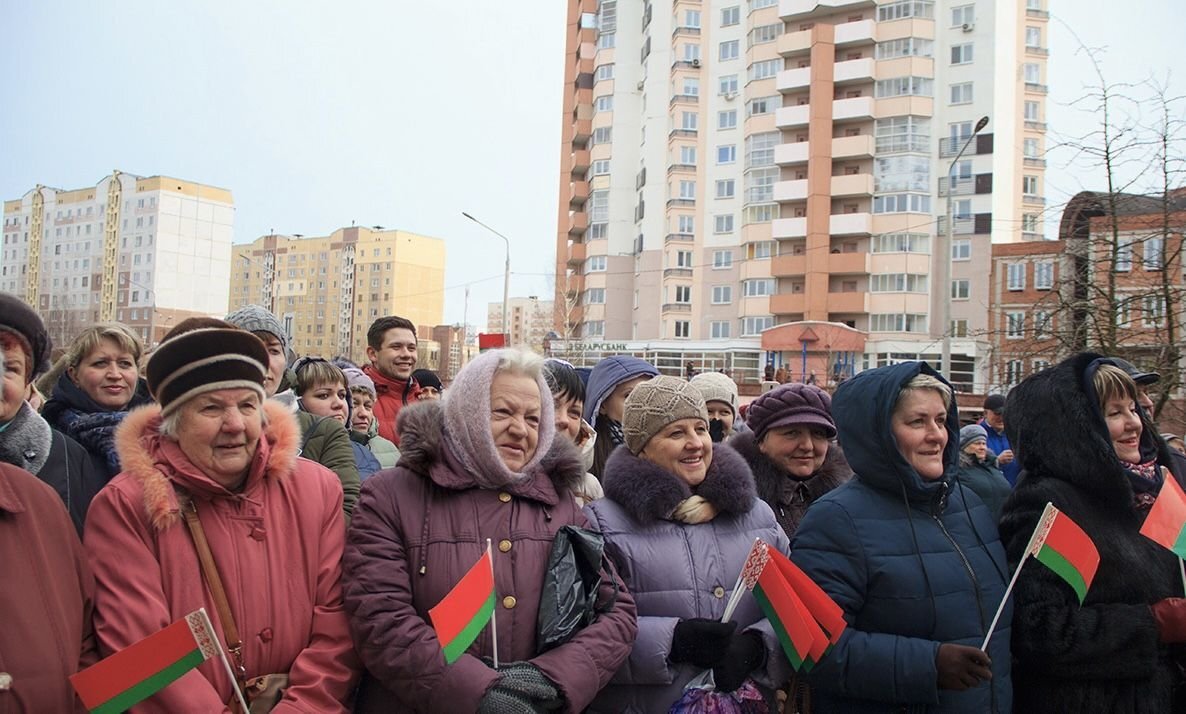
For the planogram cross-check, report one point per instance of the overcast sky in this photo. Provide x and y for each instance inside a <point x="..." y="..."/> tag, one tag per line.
<point x="392" y="113"/>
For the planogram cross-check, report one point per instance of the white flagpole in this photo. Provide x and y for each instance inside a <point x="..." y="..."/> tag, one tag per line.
<point x="1182" y="569"/>
<point x="494" y="612"/>
<point x="1041" y="529"/>
<point x="735" y="596"/>
<point x="222" y="656"/>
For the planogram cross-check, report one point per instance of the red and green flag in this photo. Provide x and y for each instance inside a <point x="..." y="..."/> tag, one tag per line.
<point x="140" y="670"/>
<point x="1061" y="545"/>
<point x="1166" y="522"/>
<point x="462" y="614"/>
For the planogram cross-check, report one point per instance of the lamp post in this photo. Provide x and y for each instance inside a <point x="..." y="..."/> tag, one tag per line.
<point x="945" y="262"/>
<point x="506" y="278"/>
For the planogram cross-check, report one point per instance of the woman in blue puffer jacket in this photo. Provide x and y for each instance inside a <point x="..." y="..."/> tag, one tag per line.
<point x="913" y="558"/>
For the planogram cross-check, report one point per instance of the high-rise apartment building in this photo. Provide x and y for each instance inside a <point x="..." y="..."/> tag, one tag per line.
<point x="146" y="251"/>
<point x="328" y="290"/>
<point x="530" y="321"/>
<point x="733" y="166"/>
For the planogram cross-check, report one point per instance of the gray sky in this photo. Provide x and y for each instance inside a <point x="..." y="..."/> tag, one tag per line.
<point x="392" y="113"/>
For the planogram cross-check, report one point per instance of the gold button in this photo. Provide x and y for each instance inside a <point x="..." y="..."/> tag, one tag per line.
<point x="718" y="591"/>
<point x="504" y="497"/>
<point x="5" y="681"/>
<point x="504" y="546"/>
<point x="509" y="602"/>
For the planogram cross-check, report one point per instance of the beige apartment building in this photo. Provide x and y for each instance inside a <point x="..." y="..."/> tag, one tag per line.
<point x="774" y="177"/>
<point x="146" y="251"/>
<point x="530" y="319"/>
<point x="328" y="290"/>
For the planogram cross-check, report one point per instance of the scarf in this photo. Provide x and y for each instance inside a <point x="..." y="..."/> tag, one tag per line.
<point x="1146" y="481"/>
<point x="616" y="435"/>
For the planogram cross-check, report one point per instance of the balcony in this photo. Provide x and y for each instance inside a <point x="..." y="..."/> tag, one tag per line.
<point x="1035" y="88"/>
<point x="852" y="185"/>
<point x="1039" y="14"/>
<point x="580" y="161"/>
<point x="960" y="226"/>
<point x="578" y="194"/>
<point x="848" y="303"/>
<point x="788" y="303"/>
<point x="855" y="33"/>
<point x="795" y="190"/>
<point x="1033" y="200"/>
<point x="790" y="9"/>
<point x="848" y="263"/>
<point x="1037" y="51"/>
<point x="681" y="168"/>
<point x="682" y="132"/>
<point x="578" y="223"/>
<point x="1034" y="163"/>
<point x="857" y="70"/>
<point x="577" y="252"/>
<point x="855" y="108"/>
<point x="851" y="224"/>
<point x="681" y="203"/>
<point x="791" y="117"/>
<point x="790" y="80"/>
<point x="1035" y="125"/>
<point x="794" y="43"/>
<point x="791" y="154"/>
<point x="679" y="238"/>
<point x="789" y="228"/>
<point x="788" y="266"/>
<point x="582" y="131"/>
<point x="685" y="99"/>
<point x="964" y="186"/>
<point x="686" y="32"/>
<point x="852" y="147"/>
<point x="677" y="272"/>
<point x="677" y="307"/>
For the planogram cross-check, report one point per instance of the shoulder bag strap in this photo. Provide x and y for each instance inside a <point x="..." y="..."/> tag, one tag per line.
<point x="233" y="644"/>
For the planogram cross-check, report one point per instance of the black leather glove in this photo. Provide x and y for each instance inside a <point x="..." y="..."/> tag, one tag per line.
<point x="521" y="687"/>
<point x="745" y="653"/>
<point x="701" y="642"/>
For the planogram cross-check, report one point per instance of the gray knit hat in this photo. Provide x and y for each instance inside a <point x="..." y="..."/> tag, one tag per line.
<point x="972" y="433"/>
<point x="656" y="403"/>
<point x="255" y="318"/>
<point x="716" y="387"/>
<point x="357" y="379"/>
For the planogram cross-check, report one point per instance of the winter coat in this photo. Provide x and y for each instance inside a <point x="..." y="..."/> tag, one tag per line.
<point x="367" y="463"/>
<point x="29" y="443"/>
<point x="328" y="443"/>
<point x="678" y="571"/>
<point x="391" y="395"/>
<point x="986" y="480"/>
<point x="418" y="528"/>
<point x="385" y="451"/>
<point x="590" y="488"/>
<point x="72" y="412"/>
<point x="277" y="546"/>
<point x="998" y="443"/>
<point x="608" y="374"/>
<point x="1103" y="656"/>
<point x="789" y="497"/>
<point x="46" y="596"/>
<point x="913" y="563"/>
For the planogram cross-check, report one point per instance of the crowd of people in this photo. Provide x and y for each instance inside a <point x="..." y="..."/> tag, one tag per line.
<point x="319" y="510"/>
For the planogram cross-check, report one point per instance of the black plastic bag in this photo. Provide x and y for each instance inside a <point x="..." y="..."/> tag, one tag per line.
<point x="568" y="600"/>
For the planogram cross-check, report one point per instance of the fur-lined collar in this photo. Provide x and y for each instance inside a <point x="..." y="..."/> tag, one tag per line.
<point x="771" y="480"/>
<point x="27" y="440"/>
<point x="422" y="447"/>
<point x="139" y="443"/>
<point x="649" y="492"/>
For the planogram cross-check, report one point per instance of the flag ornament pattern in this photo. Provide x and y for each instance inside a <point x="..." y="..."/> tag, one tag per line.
<point x="462" y="614"/>
<point x="1061" y="545"/>
<point x="1166" y="522"/>
<point x="142" y="669"/>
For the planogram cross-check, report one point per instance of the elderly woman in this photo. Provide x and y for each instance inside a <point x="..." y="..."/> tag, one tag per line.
<point x="419" y="527"/>
<point x="911" y="556"/>
<point x="679" y="517"/>
<point x="610" y="382"/>
<point x="978" y="469"/>
<point x="1083" y="447"/>
<point x="216" y="458"/>
<point x="28" y="442"/>
<point x="789" y="447"/>
<point x="100" y="384"/>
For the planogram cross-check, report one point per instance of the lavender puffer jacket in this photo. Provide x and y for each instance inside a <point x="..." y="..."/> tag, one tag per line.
<point x="677" y="571"/>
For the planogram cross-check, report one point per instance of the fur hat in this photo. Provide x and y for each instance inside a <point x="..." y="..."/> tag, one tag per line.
<point x="971" y="434"/>
<point x="716" y="387"/>
<point x="656" y="403"/>
<point x="20" y="319"/>
<point x="357" y="379"/>
<point x="789" y="404"/>
<point x="202" y="355"/>
<point x="255" y="318"/>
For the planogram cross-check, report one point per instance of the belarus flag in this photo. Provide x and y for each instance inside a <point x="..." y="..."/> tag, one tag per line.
<point x="464" y="612"/>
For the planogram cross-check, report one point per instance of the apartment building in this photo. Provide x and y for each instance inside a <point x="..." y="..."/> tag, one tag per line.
<point x="328" y="290"/>
<point x="146" y="251"/>
<point x="1031" y="321"/>
<point x="530" y="321"/>
<point x="729" y="167"/>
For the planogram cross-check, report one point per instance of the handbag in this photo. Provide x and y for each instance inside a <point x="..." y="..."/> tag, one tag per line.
<point x="264" y="692"/>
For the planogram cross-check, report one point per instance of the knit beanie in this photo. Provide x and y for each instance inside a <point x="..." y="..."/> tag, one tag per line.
<point x="20" y="319"/>
<point x="254" y="318"/>
<point x="202" y="355"/>
<point x="971" y="434"/>
<point x="466" y="407"/>
<point x="608" y="374"/>
<point x="656" y="403"/>
<point x="789" y="404"/>
<point x="716" y="387"/>
<point x="357" y="379"/>
<point x="427" y="378"/>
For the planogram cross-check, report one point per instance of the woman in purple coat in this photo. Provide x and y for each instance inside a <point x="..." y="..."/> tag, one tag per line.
<point x="679" y="517"/>
<point x="481" y="464"/>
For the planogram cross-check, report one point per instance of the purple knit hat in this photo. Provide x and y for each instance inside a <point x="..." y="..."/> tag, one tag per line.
<point x="789" y="404"/>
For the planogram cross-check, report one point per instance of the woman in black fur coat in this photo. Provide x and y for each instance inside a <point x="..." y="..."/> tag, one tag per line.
<point x="1077" y="430"/>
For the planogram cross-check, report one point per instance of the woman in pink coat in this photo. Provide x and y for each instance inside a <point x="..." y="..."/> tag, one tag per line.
<point x="273" y="521"/>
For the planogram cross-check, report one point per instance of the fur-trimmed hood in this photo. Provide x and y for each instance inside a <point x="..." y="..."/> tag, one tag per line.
<point x="771" y="480"/>
<point x="424" y="449"/>
<point x="649" y="492"/>
<point x="157" y="463"/>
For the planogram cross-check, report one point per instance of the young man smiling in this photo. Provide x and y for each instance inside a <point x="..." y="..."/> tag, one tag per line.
<point x="391" y="348"/>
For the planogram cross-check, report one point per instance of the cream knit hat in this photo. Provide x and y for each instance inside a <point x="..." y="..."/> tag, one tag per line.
<point x="716" y="387"/>
<point x="656" y="403"/>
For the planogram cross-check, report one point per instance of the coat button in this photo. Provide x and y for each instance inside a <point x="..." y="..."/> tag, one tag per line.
<point x="258" y="533"/>
<point x="718" y="592"/>
<point x="265" y="635"/>
<point x="509" y="602"/>
<point x="504" y="496"/>
<point x="504" y="546"/>
<point x="5" y="681"/>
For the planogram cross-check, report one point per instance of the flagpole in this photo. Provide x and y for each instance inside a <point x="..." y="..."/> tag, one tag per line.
<point x="1182" y="569"/>
<point x="494" y="612"/>
<point x="1029" y="549"/>
<point x="222" y="656"/>
<point x="735" y="596"/>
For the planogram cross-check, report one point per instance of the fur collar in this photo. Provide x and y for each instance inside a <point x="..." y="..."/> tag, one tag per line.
<point x="771" y="480"/>
<point x="27" y="440"/>
<point x="136" y="441"/>
<point x="422" y="444"/>
<point x="649" y="492"/>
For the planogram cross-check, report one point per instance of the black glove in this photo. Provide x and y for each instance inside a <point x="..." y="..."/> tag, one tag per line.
<point x="961" y="667"/>
<point x="716" y="430"/>
<point x="521" y="687"/>
<point x="701" y="642"/>
<point x="745" y="653"/>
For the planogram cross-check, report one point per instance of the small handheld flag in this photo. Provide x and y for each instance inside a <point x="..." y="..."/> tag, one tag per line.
<point x="1166" y="522"/>
<point x="462" y="614"/>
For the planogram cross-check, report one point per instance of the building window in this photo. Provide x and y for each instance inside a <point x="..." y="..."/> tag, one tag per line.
<point x="728" y="84"/>
<point x="763" y="105"/>
<point x="604" y="72"/>
<point x="759" y="4"/>
<point x="1043" y="324"/>
<point x="683" y="258"/>
<point x="762" y="213"/>
<point x="605" y="41"/>
<point x="722" y="294"/>
<point x="1033" y="73"/>
<point x="1029" y="185"/>
<point x="755" y="325"/>
<point x="599" y="206"/>
<point x="1016" y="276"/>
<point x="1033" y="37"/>
<point x="759" y="184"/>
<point x="1014" y="325"/>
<point x="722" y="259"/>
<point x="1044" y="275"/>
<point x="904" y="86"/>
<point x="757" y="287"/>
<point x="1154" y="253"/>
<point x="961" y="54"/>
<point x="905" y="8"/>
<point x="687" y="190"/>
<point x="762" y="34"/>
<point x="963" y="15"/>
<point x="1029" y="223"/>
<point x="1122" y="312"/>
<point x="692" y="19"/>
<point x="691" y="52"/>
<point x="905" y="47"/>
<point x="726" y="188"/>
<point x="595" y="264"/>
<point x="604" y="103"/>
<point x="961" y="250"/>
<point x="960" y="289"/>
<point x="687" y="225"/>
<point x="1013" y="372"/>
<point x="959" y="328"/>
<point x="898" y="283"/>
<point x="601" y="167"/>
<point x="1124" y="255"/>
<point x="692" y="86"/>
<point x="687" y="155"/>
<point x="594" y="328"/>
<point x="901" y="243"/>
<point x="601" y="135"/>
<point x="683" y="328"/>
<point x="1029" y="148"/>
<point x="759" y="149"/>
<point x="723" y="223"/>
<point x="683" y="293"/>
<point x="689" y="121"/>
<point x="595" y="296"/>
<point x="730" y="16"/>
<point x="961" y="93"/>
<point x="1154" y="311"/>
<point x="897" y="322"/>
<point x="730" y="50"/>
<point x="727" y="119"/>
<point x="903" y="133"/>
<point x="727" y="154"/>
<point x="719" y="329"/>
<point x="764" y="69"/>
<point x="901" y="173"/>
<point x="902" y="203"/>
<point x="1033" y="111"/>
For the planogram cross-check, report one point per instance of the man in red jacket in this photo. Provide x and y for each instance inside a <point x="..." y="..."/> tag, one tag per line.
<point x="391" y="348"/>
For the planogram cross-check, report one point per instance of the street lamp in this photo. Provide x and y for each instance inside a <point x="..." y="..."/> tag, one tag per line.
<point x="506" y="278"/>
<point x="945" y="262"/>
